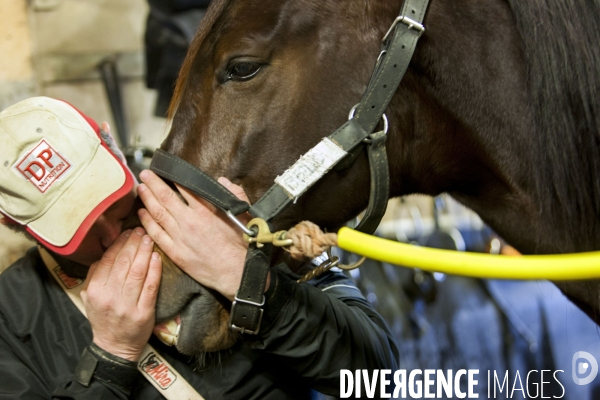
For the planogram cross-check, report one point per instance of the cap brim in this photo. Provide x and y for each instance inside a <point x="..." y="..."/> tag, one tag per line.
<point x="64" y="226"/>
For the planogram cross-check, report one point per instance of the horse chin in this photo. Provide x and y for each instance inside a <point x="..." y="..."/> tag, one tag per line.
<point x="189" y="315"/>
<point x="200" y="327"/>
<point x="205" y="326"/>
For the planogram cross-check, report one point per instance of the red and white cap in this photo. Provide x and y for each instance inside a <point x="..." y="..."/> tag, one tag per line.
<point x="56" y="175"/>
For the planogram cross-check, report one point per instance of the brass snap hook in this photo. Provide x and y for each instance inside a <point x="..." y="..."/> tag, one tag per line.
<point x="263" y="234"/>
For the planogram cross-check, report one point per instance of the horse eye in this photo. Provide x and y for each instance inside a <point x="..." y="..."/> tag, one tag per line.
<point x="243" y="71"/>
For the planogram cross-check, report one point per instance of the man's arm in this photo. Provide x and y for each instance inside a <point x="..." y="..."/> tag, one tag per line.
<point x="317" y="329"/>
<point x="119" y="296"/>
<point x="22" y="376"/>
<point x="99" y="375"/>
<point x="314" y="330"/>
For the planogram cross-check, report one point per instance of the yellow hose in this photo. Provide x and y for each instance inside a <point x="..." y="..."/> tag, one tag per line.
<point x="476" y="265"/>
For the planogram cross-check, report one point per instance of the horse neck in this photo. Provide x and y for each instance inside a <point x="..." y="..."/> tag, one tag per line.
<point x="463" y="124"/>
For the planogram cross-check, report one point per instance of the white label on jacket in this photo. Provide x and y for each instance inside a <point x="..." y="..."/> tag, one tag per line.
<point x="156" y="368"/>
<point x="67" y="280"/>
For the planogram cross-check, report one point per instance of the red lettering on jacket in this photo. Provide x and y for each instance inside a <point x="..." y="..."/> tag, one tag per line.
<point x="156" y="369"/>
<point x="67" y="280"/>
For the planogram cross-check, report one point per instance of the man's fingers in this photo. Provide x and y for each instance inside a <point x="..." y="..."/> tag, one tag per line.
<point x="100" y="273"/>
<point x="194" y="200"/>
<point x="105" y="127"/>
<point x="125" y="258"/>
<point x="139" y="268"/>
<point x="155" y="231"/>
<point x="155" y="207"/>
<point x="159" y="194"/>
<point x="150" y="290"/>
<point x="233" y="188"/>
<point x="89" y="275"/>
<point x="111" y="253"/>
<point x="162" y="203"/>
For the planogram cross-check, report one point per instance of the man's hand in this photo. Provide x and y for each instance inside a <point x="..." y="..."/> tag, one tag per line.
<point x="200" y="239"/>
<point x="120" y="295"/>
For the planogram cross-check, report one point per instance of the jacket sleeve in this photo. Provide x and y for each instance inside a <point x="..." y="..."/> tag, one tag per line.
<point x="23" y="378"/>
<point x="101" y="375"/>
<point x="321" y="327"/>
<point x="96" y="390"/>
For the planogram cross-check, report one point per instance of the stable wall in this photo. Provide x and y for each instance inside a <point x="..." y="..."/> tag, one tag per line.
<point x="53" y="47"/>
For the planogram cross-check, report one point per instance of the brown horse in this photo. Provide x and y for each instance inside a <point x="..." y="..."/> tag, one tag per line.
<point x="497" y="108"/>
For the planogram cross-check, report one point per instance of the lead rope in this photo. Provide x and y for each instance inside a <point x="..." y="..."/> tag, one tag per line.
<point x="166" y="379"/>
<point x="305" y="242"/>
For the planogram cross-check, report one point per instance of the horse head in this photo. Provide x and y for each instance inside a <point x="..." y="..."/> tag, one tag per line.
<point x="264" y="81"/>
<point x="485" y="111"/>
<point x="262" y="84"/>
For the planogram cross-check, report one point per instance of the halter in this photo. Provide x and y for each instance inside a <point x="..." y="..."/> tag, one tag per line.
<point x="338" y="150"/>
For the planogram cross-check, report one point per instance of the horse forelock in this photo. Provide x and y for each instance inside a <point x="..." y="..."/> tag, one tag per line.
<point x="560" y="43"/>
<point x="214" y="11"/>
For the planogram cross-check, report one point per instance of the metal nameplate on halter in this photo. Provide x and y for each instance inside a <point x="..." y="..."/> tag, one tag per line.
<point x="241" y="329"/>
<point x="310" y="168"/>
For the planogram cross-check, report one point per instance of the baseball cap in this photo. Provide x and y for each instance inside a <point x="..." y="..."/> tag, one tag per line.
<point x="56" y="175"/>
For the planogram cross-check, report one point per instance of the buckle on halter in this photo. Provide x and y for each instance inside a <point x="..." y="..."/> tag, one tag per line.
<point x="411" y="23"/>
<point x="386" y="124"/>
<point x="241" y="329"/>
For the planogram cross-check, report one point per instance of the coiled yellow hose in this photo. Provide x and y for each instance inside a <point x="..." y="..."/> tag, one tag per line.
<point x="489" y="266"/>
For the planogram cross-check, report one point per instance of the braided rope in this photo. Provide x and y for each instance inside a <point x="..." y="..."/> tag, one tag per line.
<point x="309" y="241"/>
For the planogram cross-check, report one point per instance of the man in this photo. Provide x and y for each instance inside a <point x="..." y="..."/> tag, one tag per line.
<point x="62" y="185"/>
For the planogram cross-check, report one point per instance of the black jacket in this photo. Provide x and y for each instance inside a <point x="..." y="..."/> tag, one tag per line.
<point x="317" y="330"/>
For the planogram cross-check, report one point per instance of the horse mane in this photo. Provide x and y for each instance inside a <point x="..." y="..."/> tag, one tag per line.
<point x="214" y="11"/>
<point x="560" y="44"/>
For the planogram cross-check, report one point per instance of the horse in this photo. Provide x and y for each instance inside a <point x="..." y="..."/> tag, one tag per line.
<point x="497" y="109"/>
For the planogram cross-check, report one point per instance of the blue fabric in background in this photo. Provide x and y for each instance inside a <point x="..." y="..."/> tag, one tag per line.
<point x="491" y="325"/>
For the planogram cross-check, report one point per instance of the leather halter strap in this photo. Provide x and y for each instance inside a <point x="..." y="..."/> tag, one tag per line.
<point x="397" y="50"/>
<point x="173" y="168"/>
<point x="398" y="46"/>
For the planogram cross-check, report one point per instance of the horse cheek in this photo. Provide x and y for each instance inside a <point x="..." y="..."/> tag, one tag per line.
<point x="175" y="290"/>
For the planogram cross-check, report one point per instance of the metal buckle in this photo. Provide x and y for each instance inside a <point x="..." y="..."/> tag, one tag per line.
<point x="384" y="117"/>
<point x="411" y="23"/>
<point x="243" y="330"/>
<point x="240" y="225"/>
